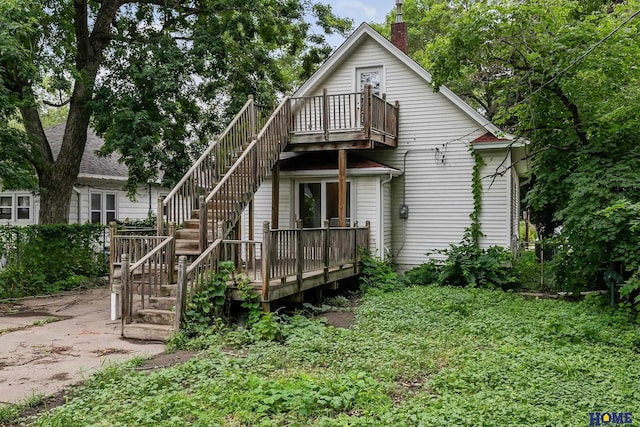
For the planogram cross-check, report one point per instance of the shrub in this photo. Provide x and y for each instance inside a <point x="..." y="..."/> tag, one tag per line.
<point x="377" y="275"/>
<point x="467" y="265"/>
<point x="42" y="259"/>
<point x="526" y="269"/>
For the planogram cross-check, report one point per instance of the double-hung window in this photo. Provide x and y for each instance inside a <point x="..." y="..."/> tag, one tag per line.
<point x="16" y="207"/>
<point x="103" y="208"/>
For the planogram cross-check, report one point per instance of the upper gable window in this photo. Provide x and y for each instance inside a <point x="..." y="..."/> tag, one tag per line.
<point x="371" y="76"/>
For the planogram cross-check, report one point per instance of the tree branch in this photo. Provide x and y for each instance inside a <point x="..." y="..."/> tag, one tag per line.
<point x="56" y="104"/>
<point x="575" y="115"/>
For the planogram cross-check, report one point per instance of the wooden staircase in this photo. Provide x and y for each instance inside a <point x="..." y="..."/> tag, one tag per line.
<point x="199" y="212"/>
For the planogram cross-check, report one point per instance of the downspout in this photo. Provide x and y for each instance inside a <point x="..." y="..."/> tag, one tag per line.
<point x="383" y="251"/>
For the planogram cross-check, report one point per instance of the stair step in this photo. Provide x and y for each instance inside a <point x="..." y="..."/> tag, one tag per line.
<point x="187" y="247"/>
<point x="188" y="234"/>
<point x="145" y="331"/>
<point x="163" y="303"/>
<point x="168" y="291"/>
<point x="156" y="316"/>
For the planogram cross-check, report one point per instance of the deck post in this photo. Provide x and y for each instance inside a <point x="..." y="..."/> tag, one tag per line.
<point x="124" y="296"/>
<point x="252" y="118"/>
<point x="181" y="291"/>
<point x="342" y="188"/>
<point x="300" y="252"/>
<point x="325" y="114"/>
<point x="113" y="229"/>
<point x="220" y="231"/>
<point x="384" y="117"/>
<point x="204" y="229"/>
<point x="250" y="247"/>
<point x="115" y="297"/>
<point x="355" y="247"/>
<point x="397" y="123"/>
<point x="266" y="250"/>
<point x="275" y="195"/>
<point x="366" y="111"/>
<point x="325" y="249"/>
<point x="171" y="261"/>
<point x="160" y="216"/>
<point x="367" y="225"/>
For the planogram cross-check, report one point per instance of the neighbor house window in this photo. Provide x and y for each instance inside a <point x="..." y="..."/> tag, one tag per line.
<point x="6" y="207"/>
<point x="15" y="207"/>
<point x="318" y="201"/>
<point x="103" y="208"/>
<point x="23" y="210"/>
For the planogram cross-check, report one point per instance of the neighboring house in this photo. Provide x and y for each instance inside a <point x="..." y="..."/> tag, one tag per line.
<point x="418" y="195"/>
<point x="97" y="196"/>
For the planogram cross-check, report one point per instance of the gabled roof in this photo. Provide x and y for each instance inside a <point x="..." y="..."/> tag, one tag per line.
<point x="360" y="34"/>
<point x="91" y="166"/>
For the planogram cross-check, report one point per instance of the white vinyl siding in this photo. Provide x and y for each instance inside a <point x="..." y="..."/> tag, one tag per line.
<point x="387" y="218"/>
<point x="146" y="201"/>
<point x="262" y="208"/>
<point x="495" y="211"/>
<point x="437" y="192"/>
<point x="367" y="203"/>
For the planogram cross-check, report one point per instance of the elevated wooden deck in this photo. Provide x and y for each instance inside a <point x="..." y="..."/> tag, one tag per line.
<point x="352" y="121"/>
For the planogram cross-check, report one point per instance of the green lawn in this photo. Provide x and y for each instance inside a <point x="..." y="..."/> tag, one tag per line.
<point x="429" y="356"/>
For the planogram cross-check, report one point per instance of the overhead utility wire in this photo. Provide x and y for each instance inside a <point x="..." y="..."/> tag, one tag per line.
<point x="581" y="57"/>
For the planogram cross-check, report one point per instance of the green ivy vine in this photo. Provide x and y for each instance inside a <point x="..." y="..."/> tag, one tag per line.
<point x="474" y="230"/>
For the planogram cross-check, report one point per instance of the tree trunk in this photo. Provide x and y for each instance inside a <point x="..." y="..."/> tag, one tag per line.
<point x="55" y="198"/>
<point x="56" y="179"/>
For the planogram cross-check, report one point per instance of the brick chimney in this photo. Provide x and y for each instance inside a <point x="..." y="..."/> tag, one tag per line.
<point x="399" y="29"/>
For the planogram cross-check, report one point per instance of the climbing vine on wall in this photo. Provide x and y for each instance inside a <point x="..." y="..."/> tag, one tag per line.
<point x="476" y="189"/>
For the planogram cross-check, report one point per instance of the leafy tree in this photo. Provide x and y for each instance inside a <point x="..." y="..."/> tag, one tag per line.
<point x="562" y="74"/>
<point x="155" y="78"/>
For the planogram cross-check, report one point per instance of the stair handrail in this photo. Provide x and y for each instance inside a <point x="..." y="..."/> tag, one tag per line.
<point x="167" y="240"/>
<point x="247" y="151"/>
<point x="192" y="170"/>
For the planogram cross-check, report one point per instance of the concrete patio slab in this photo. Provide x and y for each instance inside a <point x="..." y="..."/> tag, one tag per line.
<point x="48" y="344"/>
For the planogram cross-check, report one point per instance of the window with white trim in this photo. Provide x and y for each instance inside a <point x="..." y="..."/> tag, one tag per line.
<point x="23" y="207"/>
<point x="102" y="208"/>
<point x="16" y="207"/>
<point x="318" y="200"/>
<point x="6" y="207"/>
<point x="370" y="76"/>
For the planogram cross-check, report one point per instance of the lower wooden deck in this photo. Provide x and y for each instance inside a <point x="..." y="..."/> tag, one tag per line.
<point x="293" y="285"/>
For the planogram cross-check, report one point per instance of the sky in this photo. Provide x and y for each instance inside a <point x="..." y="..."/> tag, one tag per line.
<point x="359" y="11"/>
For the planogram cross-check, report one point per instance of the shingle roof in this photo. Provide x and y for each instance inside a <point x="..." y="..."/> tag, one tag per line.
<point x="91" y="164"/>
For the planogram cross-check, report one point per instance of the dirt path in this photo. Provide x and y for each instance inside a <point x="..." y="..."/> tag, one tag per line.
<point x="48" y="344"/>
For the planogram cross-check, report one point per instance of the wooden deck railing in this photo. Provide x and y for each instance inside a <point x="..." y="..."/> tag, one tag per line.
<point x="145" y="275"/>
<point x="295" y="252"/>
<point x="206" y="172"/>
<point x="281" y="254"/>
<point x="345" y="112"/>
<point x="236" y="189"/>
